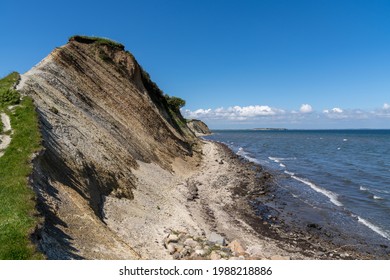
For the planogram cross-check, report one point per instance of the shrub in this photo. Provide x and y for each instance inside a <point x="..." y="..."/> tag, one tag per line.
<point x="175" y="103"/>
<point x="9" y="97"/>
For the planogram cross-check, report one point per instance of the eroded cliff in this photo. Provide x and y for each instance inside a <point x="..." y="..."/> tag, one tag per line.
<point x="198" y="127"/>
<point x="100" y="116"/>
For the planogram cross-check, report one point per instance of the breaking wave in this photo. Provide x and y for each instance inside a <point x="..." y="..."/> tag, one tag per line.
<point x="246" y="155"/>
<point x="373" y="227"/>
<point x="332" y="196"/>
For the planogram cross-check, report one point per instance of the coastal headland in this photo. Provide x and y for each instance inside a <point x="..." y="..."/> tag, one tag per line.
<point x="122" y="175"/>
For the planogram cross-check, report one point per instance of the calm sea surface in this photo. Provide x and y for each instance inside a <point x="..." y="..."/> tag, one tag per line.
<point x="339" y="179"/>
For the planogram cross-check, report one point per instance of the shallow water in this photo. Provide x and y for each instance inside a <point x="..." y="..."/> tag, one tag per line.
<point x="339" y="179"/>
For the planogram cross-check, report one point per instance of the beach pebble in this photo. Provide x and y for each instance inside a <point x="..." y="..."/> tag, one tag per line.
<point x="176" y="256"/>
<point x="216" y="238"/>
<point x="185" y="252"/>
<point x="172" y="238"/>
<point x="190" y="242"/>
<point x="179" y="248"/>
<point x="171" y="249"/>
<point x="200" y="252"/>
<point x="214" y="256"/>
<point x="236" y="248"/>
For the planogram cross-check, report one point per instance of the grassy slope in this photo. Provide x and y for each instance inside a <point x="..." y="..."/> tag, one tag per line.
<point x="17" y="199"/>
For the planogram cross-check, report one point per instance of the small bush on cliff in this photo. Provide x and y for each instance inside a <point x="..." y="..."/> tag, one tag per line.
<point x="174" y="106"/>
<point x="9" y="97"/>
<point x="8" y="81"/>
<point x="175" y="103"/>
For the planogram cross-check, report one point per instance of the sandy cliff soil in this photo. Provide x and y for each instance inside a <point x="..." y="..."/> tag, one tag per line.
<point x="198" y="127"/>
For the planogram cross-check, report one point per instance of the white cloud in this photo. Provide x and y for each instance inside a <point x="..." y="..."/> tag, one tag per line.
<point x="253" y="111"/>
<point x="334" y="110"/>
<point x="337" y="110"/>
<point x="235" y="112"/>
<point x="306" y="108"/>
<point x="266" y="115"/>
<point x="337" y="113"/>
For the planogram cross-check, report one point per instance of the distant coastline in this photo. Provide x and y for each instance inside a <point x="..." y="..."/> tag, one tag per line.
<point x="269" y="128"/>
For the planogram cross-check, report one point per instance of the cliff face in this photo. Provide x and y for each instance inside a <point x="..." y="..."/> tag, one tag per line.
<point x="100" y="115"/>
<point x="198" y="127"/>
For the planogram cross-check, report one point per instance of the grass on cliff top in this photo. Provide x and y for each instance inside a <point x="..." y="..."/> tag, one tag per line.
<point x="9" y="96"/>
<point x="96" y="40"/>
<point x="8" y="81"/>
<point x="17" y="199"/>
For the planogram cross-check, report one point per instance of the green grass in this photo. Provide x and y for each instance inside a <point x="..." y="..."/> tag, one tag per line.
<point x="96" y="40"/>
<point x="17" y="199"/>
<point x="9" y="96"/>
<point x="8" y="81"/>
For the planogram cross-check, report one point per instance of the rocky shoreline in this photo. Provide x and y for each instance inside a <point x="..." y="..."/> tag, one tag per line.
<point x="256" y="186"/>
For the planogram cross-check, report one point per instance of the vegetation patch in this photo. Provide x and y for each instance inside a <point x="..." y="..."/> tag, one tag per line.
<point x="97" y="40"/>
<point x="17" y="212"/>
<point x="175" y="103"/>
<point x="9" y="96"/>
<point x="174" y="106"/>
<point x="8" y="81"/>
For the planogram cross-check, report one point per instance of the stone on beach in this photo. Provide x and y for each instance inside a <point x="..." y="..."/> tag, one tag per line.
<point x="216" y="238"/>
<point x="236" y="248"/>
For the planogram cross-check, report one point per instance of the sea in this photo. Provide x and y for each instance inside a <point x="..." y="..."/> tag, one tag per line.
<point x="338" y="180"/>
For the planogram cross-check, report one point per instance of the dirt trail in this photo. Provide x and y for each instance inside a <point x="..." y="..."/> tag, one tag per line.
<point x="5" y="139"/>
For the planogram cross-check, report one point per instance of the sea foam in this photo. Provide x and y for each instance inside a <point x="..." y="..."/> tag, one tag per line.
<point x="373" y="227"/>
<point x="332" y="196"/>
<point x="245" y="154"/>
<point x="277" y="160"/>
<point x="289" y="173"/>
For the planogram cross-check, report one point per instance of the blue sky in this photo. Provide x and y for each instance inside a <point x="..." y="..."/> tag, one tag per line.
<point x="238" y="64"/>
